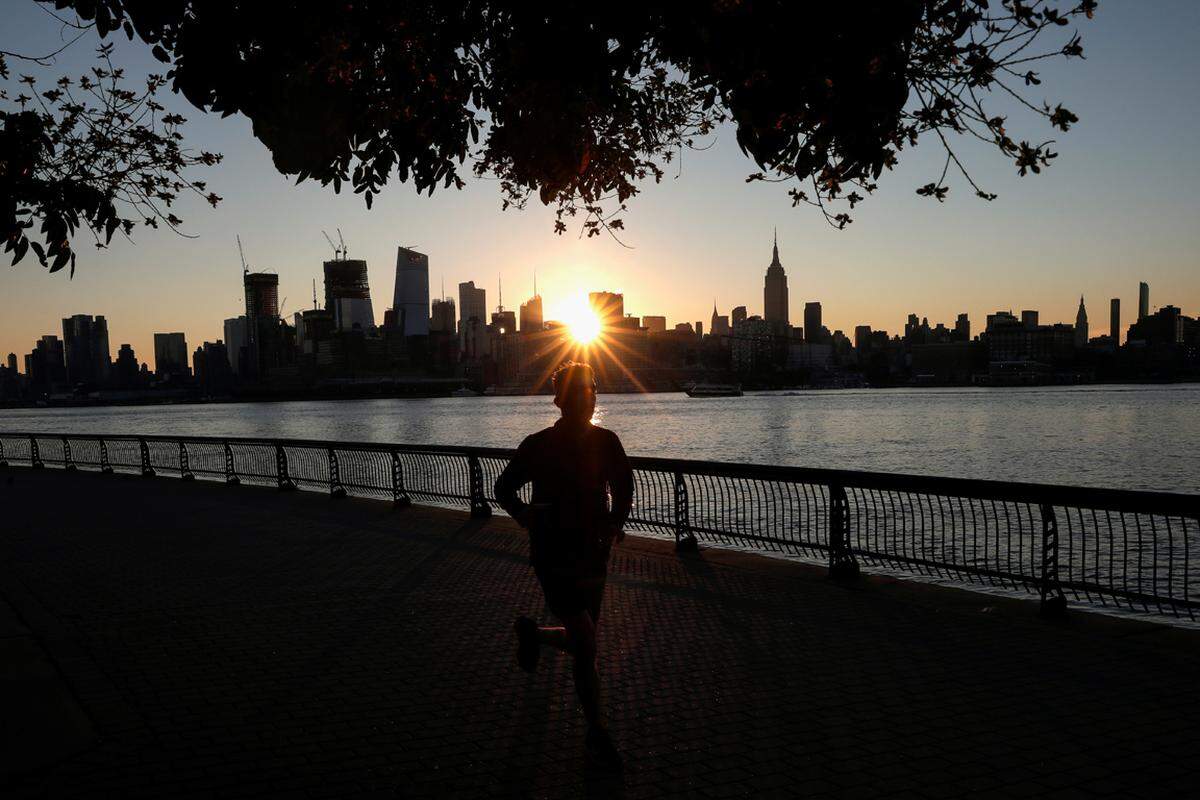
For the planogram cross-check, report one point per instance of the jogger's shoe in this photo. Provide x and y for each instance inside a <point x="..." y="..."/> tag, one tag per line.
<point x="528" y="646"/>
<point x="601" y="751"/>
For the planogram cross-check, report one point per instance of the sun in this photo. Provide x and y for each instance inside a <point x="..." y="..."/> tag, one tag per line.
<point x="581" y="321"/>
<point x="585" y="327"/>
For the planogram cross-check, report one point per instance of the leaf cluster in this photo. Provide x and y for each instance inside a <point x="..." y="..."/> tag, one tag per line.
<point x="88" y="152"/>
<point x="577" y="104"/>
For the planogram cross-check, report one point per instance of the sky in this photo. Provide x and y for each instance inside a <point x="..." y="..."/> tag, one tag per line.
<point x="1119" y="205"/>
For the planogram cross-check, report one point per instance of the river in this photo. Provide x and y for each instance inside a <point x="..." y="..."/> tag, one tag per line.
<point x="1129" y="437"/>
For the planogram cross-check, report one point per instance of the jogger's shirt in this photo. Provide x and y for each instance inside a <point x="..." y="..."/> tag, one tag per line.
<point x="573" y="472"/>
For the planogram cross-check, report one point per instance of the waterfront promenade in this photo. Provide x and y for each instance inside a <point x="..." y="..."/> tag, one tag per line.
<point x="170" y="638"/>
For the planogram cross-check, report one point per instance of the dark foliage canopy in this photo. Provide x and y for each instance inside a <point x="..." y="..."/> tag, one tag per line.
<point x="577" y="103"/>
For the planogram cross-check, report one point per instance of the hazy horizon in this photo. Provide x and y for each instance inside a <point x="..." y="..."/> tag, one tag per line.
<point x="1117" y="207"/>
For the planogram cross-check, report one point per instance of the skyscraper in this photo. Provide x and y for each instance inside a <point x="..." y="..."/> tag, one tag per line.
<point x="411" y="299"/>
<point x="235" y="340"/>
<point x="125" y="368"/>
<point x="263" y="339"/>
<point x="737" y="315"/>
<point x="442" y="319"/>
<point x="170" y="354"/>
<point x="1143" y="300"/>
<point x="45" y="367"/>
<point x="348" y="295"/>
<point x="719" y="324"/>
<point x="1081" y="325"/>
<point x="962" y="328"/>
<point x="1029" y="318"/>
<point x="812" y="322"/>
<point x="609" y="308"/>
<point x="1114" y="320"/>
<point x="12" y="362"/>
<point x="472" y="303"/>
<point x="775" y="290"/>
<point x="532" y="320"/>
<point x="85" y="341"/>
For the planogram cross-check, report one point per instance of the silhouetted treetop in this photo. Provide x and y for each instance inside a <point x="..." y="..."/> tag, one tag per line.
<point x="576" y="103"/>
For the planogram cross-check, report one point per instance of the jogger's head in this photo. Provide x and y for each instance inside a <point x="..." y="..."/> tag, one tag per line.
<point x="575" y="390"/>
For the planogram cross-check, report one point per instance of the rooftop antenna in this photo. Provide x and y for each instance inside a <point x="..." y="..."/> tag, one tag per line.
<point x="315" y="293"/>
<point x="345" y="250"/>
<point x="337" y="251"/>
<point x="443" y="288"/>
<point x="500" y="291"/>
<point x="245" y="266"/>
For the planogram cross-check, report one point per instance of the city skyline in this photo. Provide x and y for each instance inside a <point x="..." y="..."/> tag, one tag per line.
<point x="1115" y="208"/>
<point x="607" y="308"/>
<point x="566" y="309"/>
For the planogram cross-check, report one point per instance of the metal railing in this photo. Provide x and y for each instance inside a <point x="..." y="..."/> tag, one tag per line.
<point x="1139" y="551"/>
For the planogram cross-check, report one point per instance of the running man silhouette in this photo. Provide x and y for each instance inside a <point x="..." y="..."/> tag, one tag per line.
<point x="573" y="466"/>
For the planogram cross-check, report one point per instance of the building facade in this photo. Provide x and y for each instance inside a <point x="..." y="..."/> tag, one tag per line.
<point x="85" y="344"/>
<point x="775" y="291"/>
<point x="472" y="303"/>
<point x="812" y="322"/>
<point x="235" y="342"/>
<point x="532" y="319"/>
<point x="411" y="298"/>
<point x="443" y="317"/>
<point x="170" y="355"/>
<point x="1081" y="325"/>
<point x="348" y="294"/>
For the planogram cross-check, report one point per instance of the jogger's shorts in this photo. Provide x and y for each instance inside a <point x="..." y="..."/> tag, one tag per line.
<point x="568" y="593"/>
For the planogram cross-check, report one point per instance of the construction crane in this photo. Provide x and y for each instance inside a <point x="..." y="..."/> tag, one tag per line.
<point x="337" y="251"/>
<point x="345" y="250"/>
<point x="245" y="266"/>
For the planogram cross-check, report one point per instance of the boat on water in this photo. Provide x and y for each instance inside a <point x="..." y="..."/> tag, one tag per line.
<point x="715" y="390"/>
<point x="463" y="391"/>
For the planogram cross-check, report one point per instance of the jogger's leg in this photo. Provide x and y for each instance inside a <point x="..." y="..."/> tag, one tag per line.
<point x="581" y="637"/>
<point x="555" y="637"/>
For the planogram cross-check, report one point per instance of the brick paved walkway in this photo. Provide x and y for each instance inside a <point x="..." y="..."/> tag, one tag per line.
<point x="230" y="642"/>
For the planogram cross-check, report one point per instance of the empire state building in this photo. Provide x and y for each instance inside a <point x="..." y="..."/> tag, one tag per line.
<point x="775" y="291"/>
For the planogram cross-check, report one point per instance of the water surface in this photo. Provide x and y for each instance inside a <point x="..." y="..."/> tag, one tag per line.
<point x="1132" y="437"/>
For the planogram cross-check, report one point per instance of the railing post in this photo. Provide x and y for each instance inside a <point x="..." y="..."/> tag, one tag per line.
<point x="1054" y="602"/>
<point x="35" y="456"/>
<point x="185" y="469"/>
<point x="105" y="465"/>
<point x="231" y="477"/>
<point x="399" y="494"/>
<point x="842" y="564"/>
<point x="68" y="462"/>
<point x="336" y="490"/>
<point x="147" y="470"/>
<point x="281" y="470"/>
<point x="685" y="540"/>
<point x="479" y="504"/>
<point x="3" y="460"/>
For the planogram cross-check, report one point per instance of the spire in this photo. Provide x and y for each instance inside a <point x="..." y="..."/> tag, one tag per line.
<point x="775" y="251"/>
